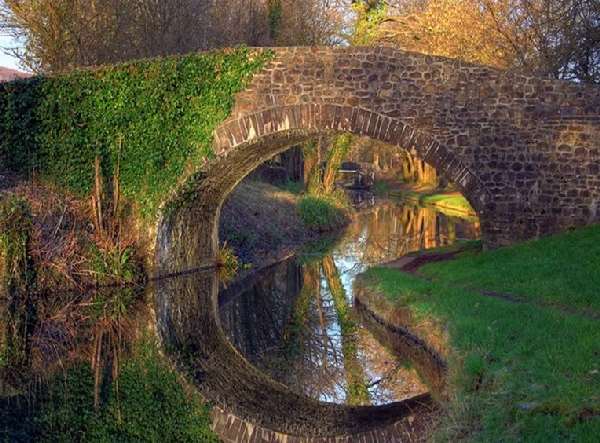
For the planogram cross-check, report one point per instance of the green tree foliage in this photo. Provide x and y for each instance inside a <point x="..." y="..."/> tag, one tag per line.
<point x="155" y="118"/>
<point x="319" y="172"/>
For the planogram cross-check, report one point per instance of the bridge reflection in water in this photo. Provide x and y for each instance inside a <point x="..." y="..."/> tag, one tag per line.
<point x="297" y="322"/>
<point x="306" y="363"/>
<point x="249" y="405"/>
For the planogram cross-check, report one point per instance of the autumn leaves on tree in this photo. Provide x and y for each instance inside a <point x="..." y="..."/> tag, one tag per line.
<point x="551" y="38"/>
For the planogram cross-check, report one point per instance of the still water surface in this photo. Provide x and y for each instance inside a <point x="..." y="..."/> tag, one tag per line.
<point x="296" y="320"/>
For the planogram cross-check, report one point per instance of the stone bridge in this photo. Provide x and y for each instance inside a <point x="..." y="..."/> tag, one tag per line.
<point x="524" y="151"/>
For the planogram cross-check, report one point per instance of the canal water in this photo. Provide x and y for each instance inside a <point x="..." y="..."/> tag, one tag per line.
<point x="296" y="320"/>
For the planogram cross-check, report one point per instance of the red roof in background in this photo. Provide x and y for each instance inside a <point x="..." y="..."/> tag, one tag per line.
<point x="7" y="74"/>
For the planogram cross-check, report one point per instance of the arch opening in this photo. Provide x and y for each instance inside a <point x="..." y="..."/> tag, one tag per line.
<point x="244" y="144"/>
<point x="312" y="357"/>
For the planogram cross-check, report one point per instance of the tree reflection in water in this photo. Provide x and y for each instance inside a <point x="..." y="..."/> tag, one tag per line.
<point x="296" y="322"/>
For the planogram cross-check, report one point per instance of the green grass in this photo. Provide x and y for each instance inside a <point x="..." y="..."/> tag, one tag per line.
<point x="520" y="371"/>
<point x="560" y="270"/>
<point x="460" y="247"/>
<point x="321" y="213"/>
<point x="454" y="201"/>
<point x="293" y="187"/>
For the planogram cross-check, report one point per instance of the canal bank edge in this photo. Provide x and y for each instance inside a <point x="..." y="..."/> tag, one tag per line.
<point x="425" y="340"/>
<point x="526" y="366"/>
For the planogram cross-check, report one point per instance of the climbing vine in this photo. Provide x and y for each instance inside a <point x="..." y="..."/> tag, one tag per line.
<point x="148" y="121"/>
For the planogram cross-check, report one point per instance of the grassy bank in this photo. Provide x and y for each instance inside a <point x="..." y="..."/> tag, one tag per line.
<point x="65" y="248"/>
<point x="259" y="220"/>
<point x="562" y="270"/>
<point x="525" y="368"/>
<point x="322" y="213"/>
<point x="451" y="203"/>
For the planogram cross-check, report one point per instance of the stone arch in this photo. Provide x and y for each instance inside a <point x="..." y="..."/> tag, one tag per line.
<point x="256" y="406"/>
<point x="523" y="150"/>
<point x="188" y="238"/>
<point x="186" y="307"/>
<point x="248" y="404"/>
<point x="249" y="128"/>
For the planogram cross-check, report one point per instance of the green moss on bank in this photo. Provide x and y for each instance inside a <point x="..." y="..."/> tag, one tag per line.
<point x="520" y="371"/>
<point x="150" y="122"/>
